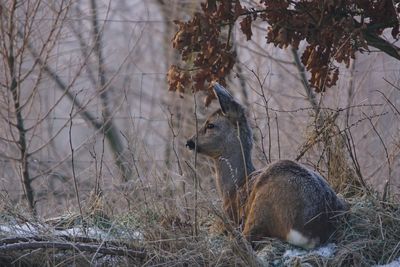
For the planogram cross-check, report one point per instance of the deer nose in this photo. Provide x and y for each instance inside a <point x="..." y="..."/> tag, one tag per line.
<point x="190" y="144"/>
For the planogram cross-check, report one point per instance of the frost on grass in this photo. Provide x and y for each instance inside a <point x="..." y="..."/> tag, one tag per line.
<point x="326" y="251"/>
<point x="28" y="229"/>
<point x="20" y="230"/>
<point x="281" y="254"/>
<point x="92" y="232"/>
<point x="395" y="263"/>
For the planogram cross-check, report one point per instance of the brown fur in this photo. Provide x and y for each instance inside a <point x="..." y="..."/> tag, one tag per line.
<point x="271" y="202"/>
<point x="277" y="204"/>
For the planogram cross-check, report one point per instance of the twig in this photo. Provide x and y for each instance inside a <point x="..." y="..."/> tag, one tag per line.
<point x="304" y="81"/>
<point x="326" y="108"/>
<point x="386" y="191"/>
<point x="136" y="167"/>
<point x="278" y="136"/>
<point x="73" y="164"/>
<point x="381" y="44"/>
<point x="65" y="88"/>
<point x="269" y="127"/>
<point x="240" y="75"/>
<point x="18" y="108"/>
<point x="353" y="155"/>
<point x="390" y="102"/>
<point x="174" y="136"/>
<point x="265" y="100"/>
<point x="318" y="137"/>
<point x="98" y="191"/>
<point x="241" y="245"/>
<point x="195" y="167"/>
<point x="73" y="246"/>
<point x="110" y="129"/>
<point x="246" y="174"/>
<point x="394" y="86"/>
<point x="64" y="238"/>
<point x="257" y="126"/>
<point x="178" y="160"/>
<point x="350" y="93"/>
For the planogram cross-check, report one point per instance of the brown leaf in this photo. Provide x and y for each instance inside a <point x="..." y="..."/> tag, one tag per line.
<point x="177" y="79"/>
<point x="245" y="26"/>
<point x="238" y="9"/>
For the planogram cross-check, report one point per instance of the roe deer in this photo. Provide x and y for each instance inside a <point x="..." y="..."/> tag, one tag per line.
<point x="285" y="200"/>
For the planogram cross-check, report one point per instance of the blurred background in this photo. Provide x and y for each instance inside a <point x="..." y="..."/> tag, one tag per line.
<point x="85" y="110"/>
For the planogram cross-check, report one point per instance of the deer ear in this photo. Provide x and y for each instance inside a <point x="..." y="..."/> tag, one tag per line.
<point x="229" y="106"/>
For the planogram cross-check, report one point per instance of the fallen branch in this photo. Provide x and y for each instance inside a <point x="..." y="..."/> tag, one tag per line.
<point x="62" y="238"/>
<point x="103" y="249"/>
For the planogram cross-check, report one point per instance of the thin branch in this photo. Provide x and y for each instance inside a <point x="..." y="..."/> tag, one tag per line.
<point x="381" y="44"/>
<point x="351" y="147"/>
<point x="310" y="94"/>
<point x="87" y="116"/>
<point x="257" y="126"/>
<point x="350" y="92"/>
<point x="73" y="164"/>
<point x="110" y="129"/>
<point x="387" y="185"/>
<point x="319" y="135"/>
<point x="390" y="102"/>
<point x="266" y="107"/>
<point x="278" y="135"/>
<point x="103" y="249"/>
<point x="15" y="90"/>
<point x="326" y="108"/>
<point x="196" y="187"/>
<point x="174" y="136"/>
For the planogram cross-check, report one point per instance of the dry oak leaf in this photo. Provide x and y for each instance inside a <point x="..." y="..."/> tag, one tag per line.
<point x="245" y="26"/>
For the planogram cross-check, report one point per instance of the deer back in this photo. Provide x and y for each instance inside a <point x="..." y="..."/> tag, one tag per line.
<point x="293" y="203"/>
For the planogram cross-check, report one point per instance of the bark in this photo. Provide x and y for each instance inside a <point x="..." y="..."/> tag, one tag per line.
<point x="110" y="129"/>
<point x="15" y="93"/>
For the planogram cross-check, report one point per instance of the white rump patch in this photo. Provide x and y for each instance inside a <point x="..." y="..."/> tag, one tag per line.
<point x="298" y="239"/>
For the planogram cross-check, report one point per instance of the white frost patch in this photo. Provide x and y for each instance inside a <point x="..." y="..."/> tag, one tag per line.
<point x="30" y="230"/>
<point x="92" y="232"/>
<point x="395" y="263"/>
<point x="96" y="233"/>
<point x="128" y="234"/>
<point x="325" y="251"/>
<point x="292" y="257"/>
<point x="22" y="230"/>
<point x="291" y="253"/>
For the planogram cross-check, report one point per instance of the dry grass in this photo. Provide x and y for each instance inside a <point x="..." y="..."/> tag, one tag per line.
<point x="369" y="235"/>
<point x="158" y="230"/>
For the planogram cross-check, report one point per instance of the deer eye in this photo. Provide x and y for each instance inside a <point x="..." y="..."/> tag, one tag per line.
<point x="210" y="126"/>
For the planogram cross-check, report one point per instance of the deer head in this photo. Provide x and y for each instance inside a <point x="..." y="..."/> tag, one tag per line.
<point x="219" y="134"/>
<point x="227" y="138"/>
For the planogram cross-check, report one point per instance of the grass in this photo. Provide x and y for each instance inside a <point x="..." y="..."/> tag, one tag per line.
<point x="369" y="234"/>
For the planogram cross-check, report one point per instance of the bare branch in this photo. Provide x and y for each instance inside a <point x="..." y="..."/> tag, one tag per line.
<point x="102" y="249"/>
<point x="110" y="129"/>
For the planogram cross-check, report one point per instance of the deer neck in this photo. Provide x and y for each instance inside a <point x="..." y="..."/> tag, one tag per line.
<point x="232" y="170"/>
